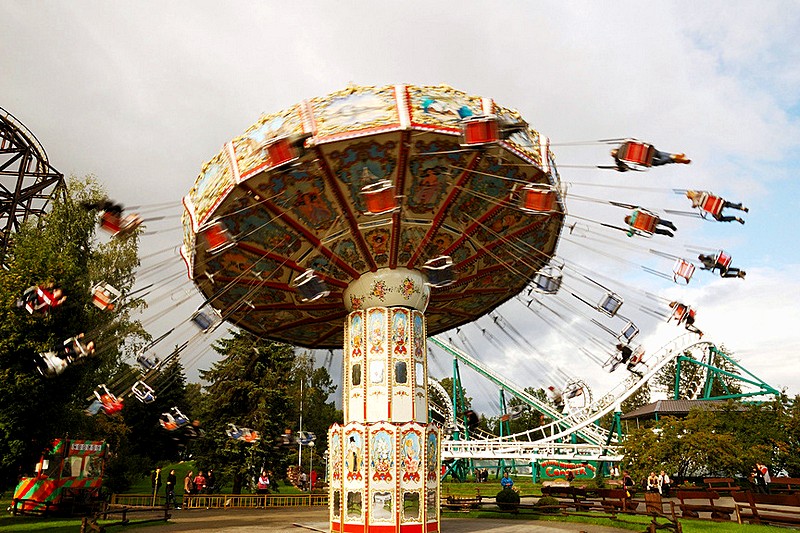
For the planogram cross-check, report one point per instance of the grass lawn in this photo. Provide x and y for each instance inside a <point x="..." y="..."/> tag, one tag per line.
<point x="9" y="524"/>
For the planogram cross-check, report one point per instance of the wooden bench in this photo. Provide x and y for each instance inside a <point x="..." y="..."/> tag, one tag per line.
<point x="785" y="484"/>
<point x="576" y="496"/>
<point x="721" y="484"/>
<point x="693" y="502"/>
<point x="460" y="503"/>
<point x="782" y="509"/>
<point x="654" y="507"/>
<point x="615" y="499"/>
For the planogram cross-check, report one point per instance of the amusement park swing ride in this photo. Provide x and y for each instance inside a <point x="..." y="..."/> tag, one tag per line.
<point x="377" y="220"/>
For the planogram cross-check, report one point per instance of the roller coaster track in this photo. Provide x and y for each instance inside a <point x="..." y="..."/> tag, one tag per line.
<point x="543" y="441"/>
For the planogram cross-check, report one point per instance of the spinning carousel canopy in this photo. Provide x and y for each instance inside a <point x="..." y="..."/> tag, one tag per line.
<point x="306" y="189"/>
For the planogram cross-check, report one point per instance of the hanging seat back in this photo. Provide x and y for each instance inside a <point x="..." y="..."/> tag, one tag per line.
<point x="217" y="237"/>
<point x="538" y="199"/>
<point x="682" y="270"/>
<point x="282" y="152"/>
<point x="439" y="271"/>
<point x="479" y="130"/>
<point x="610" y="304"/>
<point x="723" y="260"/>
<point x="105" y="296"/>
<point x="645" y="222"/>
<point x="379" y="197"/>
<point x="636" y="154"/>
<point x="310" y="287"/>
<point x="710" y="205"/>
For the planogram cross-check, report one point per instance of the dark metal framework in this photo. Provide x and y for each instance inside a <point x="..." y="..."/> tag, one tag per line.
<point x="28" y="183"/>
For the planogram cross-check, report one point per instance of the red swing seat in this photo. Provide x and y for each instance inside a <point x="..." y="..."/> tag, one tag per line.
<point x="636" y="154"/>
<point x="218" y="237"/>
<point x="723" y="260"/>
<point x="684" y="270"/>
<point x="479" y="130"/>
<point x="379" y="197"/>
<point x="710" y="205"/>
<point x="105" y="296"/>
<point x="536" y="199"/>
<point x="645" y="222"/>
<point x="110" y="222"/>
<point x="281" y="152"/>
<point x="679" y="313"/>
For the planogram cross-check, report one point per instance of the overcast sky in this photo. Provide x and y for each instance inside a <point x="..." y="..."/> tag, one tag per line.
<point x="142" y="94"/>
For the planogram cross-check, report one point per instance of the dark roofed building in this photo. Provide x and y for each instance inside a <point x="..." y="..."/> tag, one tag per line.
<point x="676" y="408"/>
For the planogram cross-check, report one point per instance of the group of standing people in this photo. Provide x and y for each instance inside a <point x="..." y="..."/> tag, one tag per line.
<point x="660" y="483"/>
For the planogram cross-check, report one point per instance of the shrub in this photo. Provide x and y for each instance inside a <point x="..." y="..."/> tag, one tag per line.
<point x="550" y="504"/>
<point x="507" y="499"/>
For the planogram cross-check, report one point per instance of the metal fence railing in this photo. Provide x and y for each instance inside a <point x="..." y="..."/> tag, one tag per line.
<point x="224" y="501"/>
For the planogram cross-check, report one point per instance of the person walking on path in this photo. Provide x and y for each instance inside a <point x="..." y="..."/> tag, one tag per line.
<point x="171" y="480"/>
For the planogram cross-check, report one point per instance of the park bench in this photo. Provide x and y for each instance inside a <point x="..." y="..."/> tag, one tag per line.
<point x="721" y="484"/>
<point x="780" y="509"/>
<point x="694" y="502"/>
<point x="615" y="499"/>
<point x="654" y="507"/>
<point x="575" y="495"/>
<point x="462" y="504"/>
<point x="784" y="484"/>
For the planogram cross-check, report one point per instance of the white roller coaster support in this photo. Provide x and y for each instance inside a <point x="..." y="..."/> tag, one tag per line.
<point x="591" y="433"/>
<point x="546" y="445"/>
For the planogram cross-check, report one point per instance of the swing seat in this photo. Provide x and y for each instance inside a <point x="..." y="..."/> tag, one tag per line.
<point x="479" y="130"/>
<point x="636" y="154"/>
<point x="723" y="260"/>
<point x="538" y="200"/>
<point x="233" y="432"/>
<point x="683" y="270"/>
<point x="547" y="280"/>
<point x="146" y="364"/>
<point x="610" y="304"/>
<point x="205" y="320"/>
<point x="51" y="365"/>
<point x="379" y="197"/>
<point x="105" y="296"/>
<point x="282" y="152"/>
<point x="179" y="418"/>
<point x="143" y="392"/>
<point x="645" y="222"/>
<point x="310" y="287"/>
<point x="439" y="271"/>
<point x="217" y="237"/>
<point x="711" y="205"/>
<point x="167" y="422"/>
<point x="628" y="333"/>
<point x="678" y="313"/>
<point x="110" y="222"/>
<point x="636" y="357"/>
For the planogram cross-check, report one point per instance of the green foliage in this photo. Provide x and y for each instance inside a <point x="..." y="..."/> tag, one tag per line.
<point x="550" y="504"/>
<point x="507" y="499"/>
<point x="694" y="376"/>
<point x="59" y="248"/>
<point x="726" y="441"/>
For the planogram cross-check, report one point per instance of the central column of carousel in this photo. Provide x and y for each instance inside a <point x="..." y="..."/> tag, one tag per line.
<point x="384" y="460"/>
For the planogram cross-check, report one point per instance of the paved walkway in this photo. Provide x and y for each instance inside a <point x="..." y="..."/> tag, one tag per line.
<point x="315" y="519"/>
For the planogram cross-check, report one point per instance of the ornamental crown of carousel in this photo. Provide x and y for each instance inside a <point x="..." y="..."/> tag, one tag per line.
<point x="422" y="197"/>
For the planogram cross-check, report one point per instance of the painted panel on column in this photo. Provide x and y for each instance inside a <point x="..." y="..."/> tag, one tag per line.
<point x="420" y="376"/>
<point x="354" y="474"/>
<point x="432" y="462"/>
<point x="335" y="467"/>
<point x="377" y="347"/>
<point x="356" y="352"/>
<point x="402" y="399"/>
<point x="382" y="473"/>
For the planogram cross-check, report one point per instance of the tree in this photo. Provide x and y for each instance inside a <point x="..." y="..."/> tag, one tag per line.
<point x="59" y="248"/>
<point x="318" y="411"/>
<point x="250" y="388"/>
<point x="693" y="376"/>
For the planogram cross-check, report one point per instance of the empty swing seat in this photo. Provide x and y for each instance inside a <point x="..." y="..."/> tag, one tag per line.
<point x="479" y="130"/>
<point x="205" y="320"/>
<point x="538" y="199"/>
<point x="683" y="270"/>
<point x="439" y="271"/>
<point x="282" y="152"/>
<point x="629" y="332"/>
<point x="379" y="197"/>
<point x="143" y="392"/>
<point x="547" y="280"/>
<point x="610" y="304"/>
<point x="310" y="287"/>
<point x="217" y="237"/>
<point x="637" y="155"/>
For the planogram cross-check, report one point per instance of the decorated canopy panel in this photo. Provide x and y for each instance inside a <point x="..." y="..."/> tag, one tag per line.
<point x="256" y="220"/>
